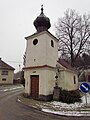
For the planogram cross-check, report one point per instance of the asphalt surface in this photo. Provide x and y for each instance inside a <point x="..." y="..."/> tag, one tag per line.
<point x="10" y="109"/>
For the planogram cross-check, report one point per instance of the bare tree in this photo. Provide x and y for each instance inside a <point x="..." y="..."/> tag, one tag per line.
<point x="73" y="32"/>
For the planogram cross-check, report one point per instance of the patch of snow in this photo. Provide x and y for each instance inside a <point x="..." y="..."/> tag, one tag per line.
<point x="84" y="99"/>
<point x="19" y="100"/>
<point x="76" y="109"/>
<point x="68" y="113"/>
<point x="66" y="106"/>
<point x="5" y="90"/>
<point x="14" y="88"/>
<point x="11" y="88"/>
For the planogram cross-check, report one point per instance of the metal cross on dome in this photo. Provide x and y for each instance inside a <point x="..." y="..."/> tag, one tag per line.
<point x="41" y="8"/>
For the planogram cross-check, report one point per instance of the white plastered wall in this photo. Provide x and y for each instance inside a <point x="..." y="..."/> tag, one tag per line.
<point x="66" y="80"/>
<point x="9" y="77"/>
<point x="46" y="80"/>
<point x="42" y="53"/>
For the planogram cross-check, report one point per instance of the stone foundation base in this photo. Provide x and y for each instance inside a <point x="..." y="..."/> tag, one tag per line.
<point x="56" y="93"/>
<point x="6" y="84"/>
<point x="26" y="95"/>
<point x="46" y="97"/>
<point x="41" y="97"/>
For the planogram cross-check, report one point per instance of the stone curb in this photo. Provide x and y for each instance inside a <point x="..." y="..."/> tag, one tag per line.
<point x="81" y="113"/>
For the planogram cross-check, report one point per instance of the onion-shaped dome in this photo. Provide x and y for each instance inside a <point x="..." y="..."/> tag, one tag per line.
<point x="42" y="22"/>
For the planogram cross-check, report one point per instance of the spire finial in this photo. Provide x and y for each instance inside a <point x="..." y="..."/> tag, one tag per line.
<point x="42" y="23"/>
<point x="41" y="8"/>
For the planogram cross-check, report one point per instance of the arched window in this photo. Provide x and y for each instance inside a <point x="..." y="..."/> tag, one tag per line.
<point x="52" y="43"/>
<point x="89" y="78"/>
<point x="74" y="80"/>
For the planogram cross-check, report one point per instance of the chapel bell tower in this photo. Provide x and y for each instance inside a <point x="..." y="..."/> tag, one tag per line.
<point x="41" y="59"/>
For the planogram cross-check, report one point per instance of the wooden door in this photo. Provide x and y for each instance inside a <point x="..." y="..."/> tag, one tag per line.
<point x="34" y="86"/>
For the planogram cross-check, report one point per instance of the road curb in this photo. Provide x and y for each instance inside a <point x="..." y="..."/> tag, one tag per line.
<point x="19" y="101"/>
<point x="80" y="113"/>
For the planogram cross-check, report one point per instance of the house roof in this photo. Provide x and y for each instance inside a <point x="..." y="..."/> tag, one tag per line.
<point x="4" y="65"/>
<point x="66" y="65"/>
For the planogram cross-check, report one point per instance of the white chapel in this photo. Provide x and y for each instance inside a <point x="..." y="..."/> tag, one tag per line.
<point x="41" y="60"/>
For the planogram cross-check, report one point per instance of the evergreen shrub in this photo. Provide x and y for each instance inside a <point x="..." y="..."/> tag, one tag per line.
<point x="70" y="96"/>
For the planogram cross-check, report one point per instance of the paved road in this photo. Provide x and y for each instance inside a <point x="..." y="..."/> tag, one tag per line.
<point x="10" y="109"/>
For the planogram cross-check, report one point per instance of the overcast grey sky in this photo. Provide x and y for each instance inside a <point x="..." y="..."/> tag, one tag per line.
<point x="16" y="22"/>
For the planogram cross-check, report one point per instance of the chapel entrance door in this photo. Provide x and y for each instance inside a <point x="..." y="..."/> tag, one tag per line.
<point x="34" y="86"/>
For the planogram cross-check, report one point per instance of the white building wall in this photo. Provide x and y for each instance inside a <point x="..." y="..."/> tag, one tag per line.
<point x="69" y="79"/>
<point x="46" y="80"/>
<point x="9" y="77"/>
<point x="66" y="80"/>
<point x="51" y="81"/>
<point x="51" y="52"/>
<point x="61" y="78"/>
<point x="39" y="55"/>
<point x="35" y="54"/>
<point x="42" y="53"/>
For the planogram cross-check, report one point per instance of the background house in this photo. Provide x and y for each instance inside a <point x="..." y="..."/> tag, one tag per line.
<point x="17" y="78"/>
<point x="84" y="74"/>
<point x="6" y="73"/>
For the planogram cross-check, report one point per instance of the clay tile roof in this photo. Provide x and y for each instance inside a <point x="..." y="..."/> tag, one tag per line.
<point x="4" y="65"/>
<point x="65" y="64"/>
